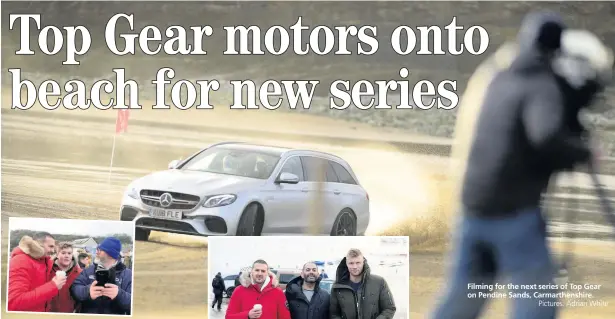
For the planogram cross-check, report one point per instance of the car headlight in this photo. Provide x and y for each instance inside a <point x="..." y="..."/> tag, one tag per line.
<point x="219" y="200"/>
<point x="132" y="192"/>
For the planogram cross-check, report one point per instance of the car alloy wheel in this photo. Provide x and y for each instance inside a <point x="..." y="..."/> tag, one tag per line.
<point x="345" y="225"/>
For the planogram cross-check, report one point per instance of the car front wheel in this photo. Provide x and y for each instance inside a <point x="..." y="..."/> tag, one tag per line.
<point x="250" y="223"/>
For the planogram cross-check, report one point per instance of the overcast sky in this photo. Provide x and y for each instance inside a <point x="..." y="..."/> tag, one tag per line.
<point x="229" y="254"/>
<point x="91" y="228"/>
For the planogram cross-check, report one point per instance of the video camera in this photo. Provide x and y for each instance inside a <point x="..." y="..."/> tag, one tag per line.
<point x="584" y="67"/>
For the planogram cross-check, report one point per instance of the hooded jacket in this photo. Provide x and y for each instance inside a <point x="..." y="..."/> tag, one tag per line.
<point x="30" y="272"/>
<point x="64" y="301"/>
<point x="270" y="296"/>
<point x="218" y="285"/>
<point x="300" y="307"/>
<point x="522" y="134"/>
<point x="373" y="300"/>
<point x="121" y="305"/>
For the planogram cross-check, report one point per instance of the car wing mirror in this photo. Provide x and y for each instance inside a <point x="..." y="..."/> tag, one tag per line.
<point x="288" y="178"/>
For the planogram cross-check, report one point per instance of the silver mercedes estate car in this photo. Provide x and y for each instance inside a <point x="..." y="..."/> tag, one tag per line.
<point x="241" y="189"/>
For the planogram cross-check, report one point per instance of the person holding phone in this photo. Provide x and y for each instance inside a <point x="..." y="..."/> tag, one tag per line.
<point x="105" y="287"/>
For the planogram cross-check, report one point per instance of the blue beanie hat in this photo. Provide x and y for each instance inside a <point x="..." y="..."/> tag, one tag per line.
<point x="111" y="246"/>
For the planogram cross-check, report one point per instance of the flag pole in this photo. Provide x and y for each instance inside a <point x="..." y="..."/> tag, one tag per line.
<point x="121" y="123"/>
<point x="112" y="155"/>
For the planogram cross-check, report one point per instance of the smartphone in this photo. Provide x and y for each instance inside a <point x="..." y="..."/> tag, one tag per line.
<point x="102" y="277"/>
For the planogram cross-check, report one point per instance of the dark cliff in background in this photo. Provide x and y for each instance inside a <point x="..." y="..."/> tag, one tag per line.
<point x="501" y="20"/>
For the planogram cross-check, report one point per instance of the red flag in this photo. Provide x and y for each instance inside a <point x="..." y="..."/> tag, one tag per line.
<point x="121" y="123"/>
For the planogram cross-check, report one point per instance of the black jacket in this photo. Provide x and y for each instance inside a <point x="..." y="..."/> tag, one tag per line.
<point x="372" y="301"/>
<point x="218" y="285"/>
<point x="300" y="307"/>
<point x="523" y="133"/>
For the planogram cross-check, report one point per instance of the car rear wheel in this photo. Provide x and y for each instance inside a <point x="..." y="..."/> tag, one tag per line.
<point x="142" y="234"/>
<point x="250" y="223"/>
<point x="345" y="224"/>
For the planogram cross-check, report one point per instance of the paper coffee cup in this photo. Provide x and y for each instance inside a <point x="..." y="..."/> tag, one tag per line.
<point x="258" y="307"/>
<point x="60" y="273"/>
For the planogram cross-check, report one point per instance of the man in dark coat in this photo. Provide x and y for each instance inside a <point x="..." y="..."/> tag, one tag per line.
<point x="359" y="294"/>
<point x="525" y="133"/>
<point x="218" y="286"/>
<point x="115" y="297"/>
<point x="305" y="298"/>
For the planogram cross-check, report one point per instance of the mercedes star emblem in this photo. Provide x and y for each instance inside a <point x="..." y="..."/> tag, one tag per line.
<point x="166" y="199"/>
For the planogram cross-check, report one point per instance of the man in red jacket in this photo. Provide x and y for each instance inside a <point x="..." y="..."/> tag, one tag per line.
<point x="66" y="264"/>
<point x="32" y="283"/>
<point x="259" y="296"/>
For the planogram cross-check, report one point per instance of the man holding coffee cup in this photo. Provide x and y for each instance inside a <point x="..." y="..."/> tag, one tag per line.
<point x="65" y="265"/>
<point x="259" y="295"/>
<point x="32" y="283"/>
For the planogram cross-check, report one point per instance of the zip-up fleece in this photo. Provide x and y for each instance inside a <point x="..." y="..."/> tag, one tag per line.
<point x="373" y="300"/>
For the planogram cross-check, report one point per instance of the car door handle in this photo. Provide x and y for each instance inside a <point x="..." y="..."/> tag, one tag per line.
<point x="336" y="192"/>
<point x="305" y="190"/>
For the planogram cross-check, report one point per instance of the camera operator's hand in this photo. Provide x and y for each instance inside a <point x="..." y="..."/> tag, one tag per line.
<point x="110" y="291"/>
<point x="59" y="281"/>
<point x="95" y="291"/>
<point x="254" y="314"/>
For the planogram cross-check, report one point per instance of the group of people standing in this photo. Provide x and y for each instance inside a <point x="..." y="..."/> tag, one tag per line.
<point x="357" y="293"/>
<point x="65" y="284"/>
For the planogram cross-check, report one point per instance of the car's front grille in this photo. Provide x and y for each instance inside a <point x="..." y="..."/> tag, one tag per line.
<point x="177" y="201"/>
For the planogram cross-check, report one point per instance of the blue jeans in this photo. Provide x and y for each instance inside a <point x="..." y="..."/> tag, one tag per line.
<point x="513" y="250"/>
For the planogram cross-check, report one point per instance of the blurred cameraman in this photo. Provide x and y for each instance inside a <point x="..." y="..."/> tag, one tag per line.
<point x="527" y="130"/>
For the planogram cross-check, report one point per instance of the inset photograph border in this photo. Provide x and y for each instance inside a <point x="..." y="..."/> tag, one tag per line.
<point x="277" y="277"/>
<point x="70" y="266"/>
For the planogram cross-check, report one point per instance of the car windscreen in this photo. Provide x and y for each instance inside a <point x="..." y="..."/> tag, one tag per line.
<point x="237" y="162"/>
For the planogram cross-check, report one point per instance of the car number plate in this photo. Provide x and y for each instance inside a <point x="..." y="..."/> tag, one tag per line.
<point x="166" y="214"/>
